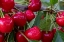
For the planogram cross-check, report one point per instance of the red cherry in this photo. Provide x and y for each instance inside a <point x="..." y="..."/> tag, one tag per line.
<point x="60" y="20"/>
<point x="29" y="15"/>
<point x="0" y="3"/>
<point x="34" y="6"/>
<point x="54" y="30"/>
<point x="1" y="37"/>
<point x="6" y="15"/>
<point x="47" y="37"/>
<point x="33" y="33"/>
<point x="6" y="24"/>
<point x="11" y="11"/>
<point x="60" y="28"/>
<point x="34" y="1"/>
<point x="20" y="37"/>
<point x="19" y="19"/>
<point x="7" y="5"/>
<point x="60" y="13"/>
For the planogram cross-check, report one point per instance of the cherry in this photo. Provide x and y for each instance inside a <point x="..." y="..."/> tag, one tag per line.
<point x="1" y="37"/>
<point x="19" y="19"/>
<point x="10" y="11"/>
<point x="7" y="5"/>
<point x="60" y="28"/>
<point x="20" y="37"/>
<point x="29" y="15"/>
<point x="54" y="30"/>
<point x="35" y="1"/>
<point x="47" y="37"/>
<point x="33" y="33"/>
<point x="0" y="3"/>
<point x="60" y="20"/>
<point x="34" y="6"/>
<point x="6" y="24"/>
<point x="60" y="13"/>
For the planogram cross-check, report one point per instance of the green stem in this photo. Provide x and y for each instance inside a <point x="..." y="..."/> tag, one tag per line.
<point x="17" y="9"/>
<point x="8" y="37"/>
<point x="28" y="25"/>
<point x="24" y="28"/>
<point x="1" y="13"/>
<point x="13" y="12"/>
<point x="52" y="21"/>
<point x="24" y="36"/>
<point x="51" y="17"/>
<point x="51" y="26"/>
<point x="46" y="20"/>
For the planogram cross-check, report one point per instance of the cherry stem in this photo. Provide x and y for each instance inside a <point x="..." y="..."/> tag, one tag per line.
<point x="18" y="9"/>
<point x="24" y="28"/>
<point x="51" y="27"/>
<point x="2" y="15"/>
<point x="13" y="12"/>
<point x="51" y="18"/>
<point x="8" y="37"/>
<point x="54" y="25"/>
<point x="46" y="20"/>
<point x="46" y="31"/>
<point x="28" y="25"/>
<point x="52" y="21"/>
<point x="24" y="36"/>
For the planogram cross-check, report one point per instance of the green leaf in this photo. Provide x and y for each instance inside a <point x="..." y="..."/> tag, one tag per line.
<point x="62" y="35"/>
<point x="32" y="22"/>
<point x="23" y="2"/>
<point x="53" y="2"/>
<point x="11" y="37"/>
<point x="61" y="4"/>
<point x="45" y="2"/>
<point x="37" y="19"/>
<point x="59" y="37"/>
<point x="45" y="24"/>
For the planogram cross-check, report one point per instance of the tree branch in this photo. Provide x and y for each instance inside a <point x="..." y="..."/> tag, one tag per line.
<point x="21" y="7"/>
<point x="25" y="7"/>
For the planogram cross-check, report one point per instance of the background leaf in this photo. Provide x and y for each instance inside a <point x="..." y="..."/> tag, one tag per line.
<point x="59" y="37"/>
<point x="11" y="37"/>
<point x="23" y="2"/>
<point x="37" y="19"/>
<point x="53" y="2"/>
<point x="32" y="22"/>
<point x="45" y="25"/>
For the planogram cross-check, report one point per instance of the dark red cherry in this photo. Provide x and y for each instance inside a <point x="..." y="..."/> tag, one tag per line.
<point x="29" y="15"/>
<point x="60" y="13"/>
<point x="0" y="3"/>
<point x="60" y="20"/>
<point x="1" y="37"/>
<point x="19" y="19"/>
<point x="33" y="33"/>
<point x="54" y="30"/>
<point x="47" y="37"/>
<point x="6" y="24"/>
<point x="34" y="1"/>
<point x="20" y="37"/>
<point x="34" y="6"/>
<point x="7" y="5"/>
